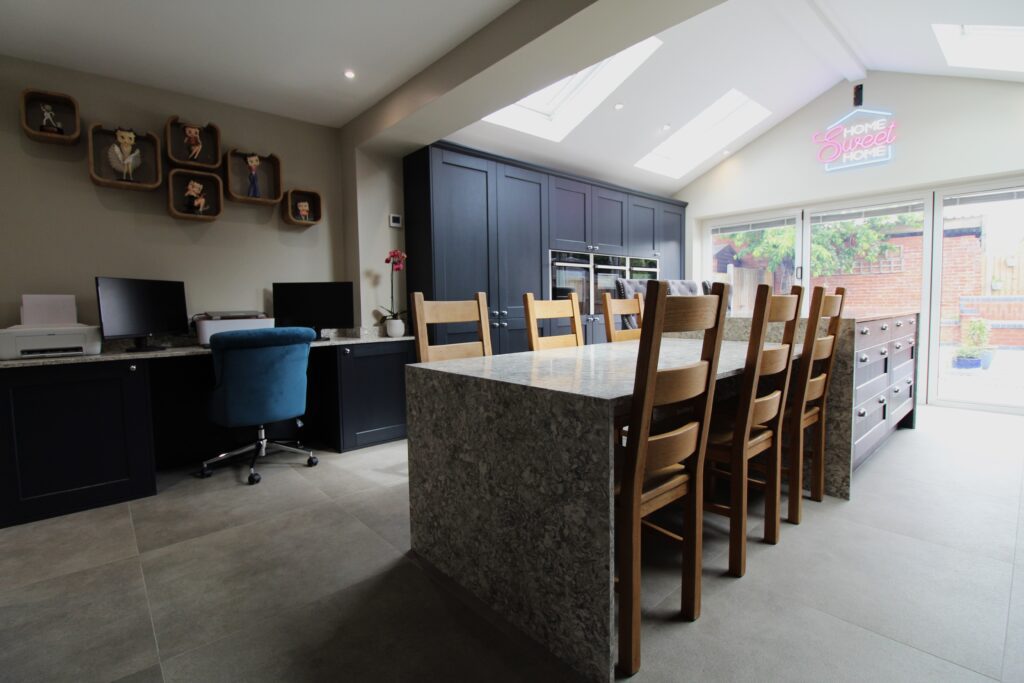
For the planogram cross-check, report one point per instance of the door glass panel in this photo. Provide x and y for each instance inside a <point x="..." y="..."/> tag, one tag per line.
<point x="981" y="312"/>
<point x="567" y="279"/>
<point x="751" y="254"/>
<point x="604" y="280"/>
<point x="876" y="253"/>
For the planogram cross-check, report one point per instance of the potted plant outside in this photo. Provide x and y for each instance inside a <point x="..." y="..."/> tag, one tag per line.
<point x="394" y="326"/>
<point x="974" y="351"/>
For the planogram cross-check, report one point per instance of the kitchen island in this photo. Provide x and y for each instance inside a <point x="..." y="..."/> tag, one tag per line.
<point x="511" y="484"/>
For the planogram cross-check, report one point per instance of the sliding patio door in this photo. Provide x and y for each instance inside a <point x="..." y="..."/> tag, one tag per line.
<point x="977" y="345"/>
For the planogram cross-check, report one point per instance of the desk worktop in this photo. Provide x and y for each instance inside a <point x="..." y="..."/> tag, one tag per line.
<point x="173" y="352"/>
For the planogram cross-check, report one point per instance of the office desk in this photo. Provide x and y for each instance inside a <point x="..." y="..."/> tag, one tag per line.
<point x="85" y="431"/>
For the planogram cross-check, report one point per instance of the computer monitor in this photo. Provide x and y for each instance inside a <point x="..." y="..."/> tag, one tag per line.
<point x="138" y="309"/>
<point x="318" y="305"/>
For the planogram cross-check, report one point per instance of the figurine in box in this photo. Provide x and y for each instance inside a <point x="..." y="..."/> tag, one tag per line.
<point x="302" y="211"/>
<point x="50" y="124"/>
<point x="195" y="198"/>
<point x="123" y="155"/>
<point x="253" y="162"/>
<point x="193" y="141"/>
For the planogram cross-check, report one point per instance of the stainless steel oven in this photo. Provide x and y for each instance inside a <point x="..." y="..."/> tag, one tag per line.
<point x="591" y="275"/>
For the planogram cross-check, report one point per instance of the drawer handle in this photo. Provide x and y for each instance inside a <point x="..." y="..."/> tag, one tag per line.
<point x="912" y="321"/>
<point x="132" y="367"/>
<point x="503" y="324"/>
<point x="910" y="342"/>
<point x="494" y="324"/>
<point x="895" y="390"/>
<point x="899" y="346"/>
<point x="865" y="330"/>
<point x="899" y="323"/>
<point x="883" y="352"/>
<point x="910" y="381"/>
<point x="885" y="326"/>
<point x="505" y="313"/>
<point x="494" y="313"/>
<point x="861" y="412"/>
<point x="881" y="399"/>
<point x="863" y="358"/>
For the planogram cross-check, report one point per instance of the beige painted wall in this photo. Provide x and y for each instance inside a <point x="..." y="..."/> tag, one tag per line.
<point x="948" y="130"/>
<point x="379" y="190"/>
<point x="59" y="230"/>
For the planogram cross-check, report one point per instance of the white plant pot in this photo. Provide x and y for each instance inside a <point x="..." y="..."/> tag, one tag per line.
<point x="395" y="327"/>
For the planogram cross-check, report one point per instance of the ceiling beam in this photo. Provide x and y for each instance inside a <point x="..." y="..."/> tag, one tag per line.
<point x="821" y="35"/>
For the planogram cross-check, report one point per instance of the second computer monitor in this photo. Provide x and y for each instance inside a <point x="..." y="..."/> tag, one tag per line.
<point x="318" y="305"/>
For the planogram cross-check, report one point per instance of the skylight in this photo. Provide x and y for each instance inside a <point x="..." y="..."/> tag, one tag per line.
<point x="705" y="136"/>
<point x="999" y="48"/>
<point x="553" y="112"/>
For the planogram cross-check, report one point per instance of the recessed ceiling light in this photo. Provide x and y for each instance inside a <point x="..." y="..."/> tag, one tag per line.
<point x="707" y="134"/>
<point x="619" y="105"/>
<point x="725" y="152"/>
<point x="350" y="74"/>
<point x="553" y="112"/>
<point x="666" y="126"/>
<point x="999" y="48"/>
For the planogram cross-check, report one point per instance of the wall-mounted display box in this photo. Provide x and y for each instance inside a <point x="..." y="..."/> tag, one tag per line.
<point x="259" y="185"/>
<point x="50" y="117"/>
<point x="194" y="195"/>
<point x="129" y="161"/>
<point x="291" y="212"/>
<point x="191" y="145"/>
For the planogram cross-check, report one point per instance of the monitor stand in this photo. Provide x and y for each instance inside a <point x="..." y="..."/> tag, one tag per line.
<point x="142" y="344"/>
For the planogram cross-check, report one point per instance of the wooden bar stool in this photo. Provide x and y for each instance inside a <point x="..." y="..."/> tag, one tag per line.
<point x="432" y="312"/>
<point x="753" y="424"/>
<point x="546" y="310"/>
<point x="663" y="464"/>
<point x="614" y="307"/>
<point x="809" y="398"/>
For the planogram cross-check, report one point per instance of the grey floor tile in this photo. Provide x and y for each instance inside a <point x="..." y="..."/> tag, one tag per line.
<point x="188" y="507"/>
<point x="749" y="634"/>
<point x="91" y="625"/>
<point x="396" y="626"/>
<point x="53" y="547"/>
<point x="153" y="674"/>
<point x="205" y="588"/>
<point x="1013" y="656"/>
<point x="386" y="511"/>
<point x="977" y="524"/>
<point x="336" y="480"/>
<point x="385" y="464"/>
<point x="941" y="600"/>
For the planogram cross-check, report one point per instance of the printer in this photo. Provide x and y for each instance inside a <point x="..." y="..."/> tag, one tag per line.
<point x="48" y="341"/>
<point x="212" y="322"/>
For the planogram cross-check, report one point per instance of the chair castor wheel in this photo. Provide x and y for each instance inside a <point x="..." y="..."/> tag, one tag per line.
<point x="313" y="461"/>
<point x="254" y="478"/>
<point x="205" y="472"/>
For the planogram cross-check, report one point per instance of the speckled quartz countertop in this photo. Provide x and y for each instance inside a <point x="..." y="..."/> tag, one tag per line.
<point x="603" y="371"/>
<point x="173" y="352"/>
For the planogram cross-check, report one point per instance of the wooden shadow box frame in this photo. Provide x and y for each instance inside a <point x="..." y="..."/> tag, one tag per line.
<point x="177" y="153"/>
<point x="238" y="178"/>
<point x="152" y="163"/>
<point x="65" y="107"/>
<point x="293" y="196"/>
<point x="177" y="181"/>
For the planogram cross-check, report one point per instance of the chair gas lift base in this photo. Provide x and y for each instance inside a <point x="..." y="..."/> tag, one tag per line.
<point x="259" y="450"/>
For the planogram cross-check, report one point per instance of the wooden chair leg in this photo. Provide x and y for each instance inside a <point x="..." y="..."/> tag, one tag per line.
<point x="738" y="517"/>
<point x="818" y="471"/>
<point x="693" y="524"/>
<point x="628" y="553"/>
<point x="773" y="493"/>
<point x="796" y="475"/>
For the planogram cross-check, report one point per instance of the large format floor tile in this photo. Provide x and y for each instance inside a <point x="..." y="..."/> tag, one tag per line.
<point x="91" y="625"/>
<point x="386" y="511"/>
<point x="52" y="547"/>
<point x="1013" y="658"/>
<point x="205" y="588"/>
<point x="396" y="626"/>
<point x="187" y="507"/>
<point x="940" y="600"/>
<point x="749" y="634"/>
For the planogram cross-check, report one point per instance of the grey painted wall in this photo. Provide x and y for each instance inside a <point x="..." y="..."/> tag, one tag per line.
<point x="58" y="230"/>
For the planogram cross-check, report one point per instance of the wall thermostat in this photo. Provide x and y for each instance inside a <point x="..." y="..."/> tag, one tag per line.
<point x="394" y="220"/>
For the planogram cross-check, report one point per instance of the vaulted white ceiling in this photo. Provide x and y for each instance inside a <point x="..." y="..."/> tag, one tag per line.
<point x="285" y="58"/>
<point x="780" y="53"/>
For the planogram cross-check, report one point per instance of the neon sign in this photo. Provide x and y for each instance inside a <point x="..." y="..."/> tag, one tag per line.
<point x="861" y="138"/>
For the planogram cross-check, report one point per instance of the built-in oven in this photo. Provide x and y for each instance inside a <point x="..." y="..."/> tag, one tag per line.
<point x="572" y="272"/>
<point x="607" y="269"/>
<point x="643" y="268"/>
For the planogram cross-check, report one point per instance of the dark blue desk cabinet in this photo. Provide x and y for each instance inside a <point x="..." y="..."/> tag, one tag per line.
<point x="72" y="437"/>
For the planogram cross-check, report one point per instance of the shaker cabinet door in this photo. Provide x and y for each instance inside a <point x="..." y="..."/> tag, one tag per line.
<point x="570" y="215"/>
<point x="610" y="221"/>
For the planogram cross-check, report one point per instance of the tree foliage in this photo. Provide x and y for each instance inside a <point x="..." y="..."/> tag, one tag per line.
<point x="835" y="246"/>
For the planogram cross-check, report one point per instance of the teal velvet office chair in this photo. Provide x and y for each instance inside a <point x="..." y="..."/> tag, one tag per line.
<point x="260" y="378"/>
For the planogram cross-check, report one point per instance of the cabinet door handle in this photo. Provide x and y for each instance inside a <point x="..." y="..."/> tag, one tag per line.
<point x="597" y="248"/>
<point x="494" y="314"/>
<point x="885" y="326"/>
<point x="883" y="352"/>
<point x="910" y="381"/>
<point x="912" y="321"/>
<point x="863" y="358"/>
<point x="503" y="324"/>
<point x="899" y="323"/>
<point x="657" y="253"/>
<point x="494" y="324"/>
<point x="861" y="412"/>
<point x="895" y="390"/>
<point x="132" y="367"/>
<point x="590" y="247"/>
<point x="898" y="346"/>
<point x="347" y="351"/>
<point x="505" y="313"/>
<point x="865" y="330"/>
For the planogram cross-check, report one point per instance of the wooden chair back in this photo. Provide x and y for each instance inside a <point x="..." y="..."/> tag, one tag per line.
<point x="692" y="384"/>
<point x="814" y="370"/>
<point x="762" y="397"/>
<point x="617" y="307"/>
<point x="435" y="312"/>
<point x="547" y="310"/>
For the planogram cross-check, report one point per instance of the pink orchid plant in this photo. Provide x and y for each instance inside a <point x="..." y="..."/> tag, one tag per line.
<point x="397" y="259"/>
